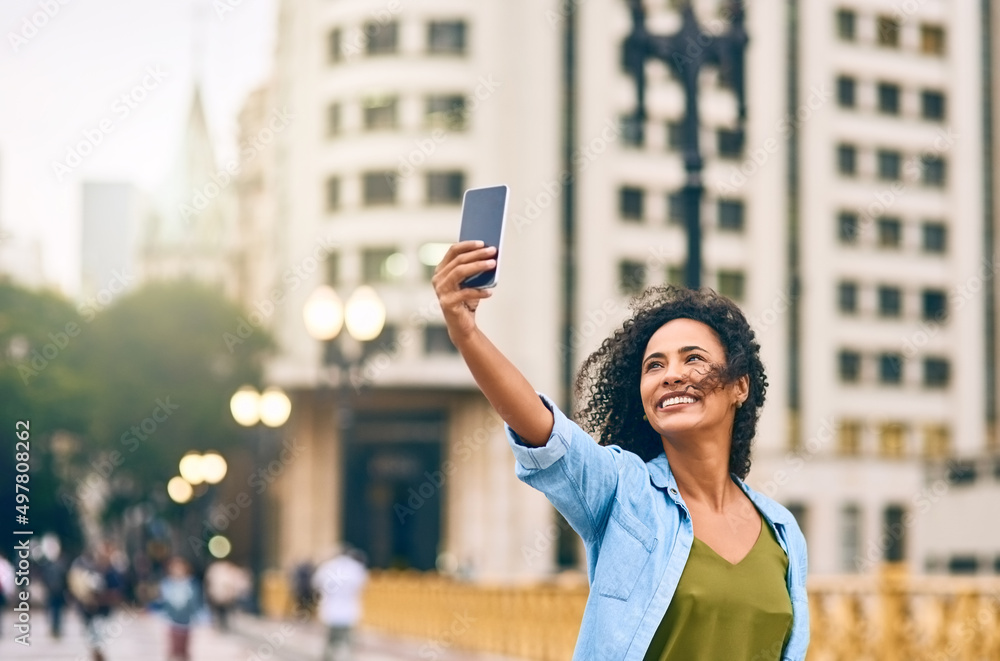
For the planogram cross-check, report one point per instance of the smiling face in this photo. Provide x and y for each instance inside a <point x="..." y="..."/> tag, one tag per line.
<point x="680" y="390"/>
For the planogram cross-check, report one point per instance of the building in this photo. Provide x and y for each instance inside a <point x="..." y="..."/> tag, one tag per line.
<point x="189" y="229"/>
<point x="848" y="225"/>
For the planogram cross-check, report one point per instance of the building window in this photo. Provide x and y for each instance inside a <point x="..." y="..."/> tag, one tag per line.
<point x="935" y="305"/>
<point x="333" y="120"/>
<point x="888" y="98"/>
<point x="890" y="301"/>
<point x="382" y="38"/>
<point x="445" y="111"/>
<point x="379" y="187"/>
<point x="892" y="440"/>
<point x="849" y="438"/>
<point x="887" y="31"/>
<point x="932" y="40"/>
<point x="335" y="46"/>
<point x="850" y="536"/>
<point x="890" y="369"/>
<point x="932" y="105"/>
<point x="382" y="265"/>
<point x="849" y="366"/>
<point x="332" y="193"/>
<point x="437" y="342"/>
<point x="846" y="88"/>
<point x="630" y="201"/>
<point x="445" y="187"/>
<point x="380" y="113"/>
<point x="890" y="232"/>
<point x="730" y="143"/>
<point x="847" y="297"/>
<point x="935" y="237"/>
<point x="731" y="215"/>
<point x="847" y="159"/>
<point x="732" y="284"/>
<point x="631" y="130"/>
<point x="937" y="441"/>
<point x="631" y="276"/>
<point x="937" y="372"/>
<point x="895" y="533"/>
<point x="935" y="170"/>
<point x="848" y="227"/>
<point x="333" y="269"/>
<point x="446" y="38"/>
<point x="676" y="209"/>
<point x="675" y="136"/>
<point x="963" y="564"/>
<point x="846" y="20"/>
<point x="890" y="164"/>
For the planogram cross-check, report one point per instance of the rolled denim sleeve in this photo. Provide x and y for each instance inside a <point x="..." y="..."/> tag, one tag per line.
<point x="578" y="476"/>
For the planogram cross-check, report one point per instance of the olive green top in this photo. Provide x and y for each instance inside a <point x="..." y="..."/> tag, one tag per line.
<point x="727" y="612"/>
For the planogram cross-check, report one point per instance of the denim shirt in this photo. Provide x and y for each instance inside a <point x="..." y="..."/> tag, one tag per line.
<point x="638" y="534"/>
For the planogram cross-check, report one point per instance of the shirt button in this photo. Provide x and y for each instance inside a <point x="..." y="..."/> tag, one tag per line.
<point x="673" y="491"/>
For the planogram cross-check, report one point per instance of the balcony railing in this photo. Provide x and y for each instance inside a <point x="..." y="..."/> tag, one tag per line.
<point x="891" y="617"/>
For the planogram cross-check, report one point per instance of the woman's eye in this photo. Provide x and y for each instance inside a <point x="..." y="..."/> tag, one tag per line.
<point x="653" y="365"/>
<point x="694" y="357"/>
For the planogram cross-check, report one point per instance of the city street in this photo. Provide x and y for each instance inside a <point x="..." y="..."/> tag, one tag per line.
<point x="144" y="637"/>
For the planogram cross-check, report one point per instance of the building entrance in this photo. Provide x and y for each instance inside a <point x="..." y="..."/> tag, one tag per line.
<point x="393" y="484"/>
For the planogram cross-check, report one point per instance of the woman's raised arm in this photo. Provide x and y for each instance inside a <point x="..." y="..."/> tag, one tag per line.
<point x="505" y="387"/>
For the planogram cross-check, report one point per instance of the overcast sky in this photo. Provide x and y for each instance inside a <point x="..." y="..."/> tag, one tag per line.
<point x="64" y="81"/>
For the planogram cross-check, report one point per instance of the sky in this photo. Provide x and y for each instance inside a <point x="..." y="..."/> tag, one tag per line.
<point x="116" y="75"/>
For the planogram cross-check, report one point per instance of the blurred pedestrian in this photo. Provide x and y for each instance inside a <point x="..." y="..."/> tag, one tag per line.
<point x="6" y="586"/>
<point x="180" y="600"/>
<point x="302" y="586"/>
<point x="339" y="582"/>
<point x="225" y="585"/>
<point x="96" y="586"/>
<point x="54" y="576"/>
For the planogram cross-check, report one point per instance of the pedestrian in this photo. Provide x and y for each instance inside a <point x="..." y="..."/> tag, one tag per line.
<point x="180" y="600"/>
<point x="6" y="586"/>
<point x="54" y="577"/>
<point x="339" y="581"/>
<point x="225" y="585"/>
<point x="96" y="586"/>
<point x="302" y="586"/>
<point x="684" y="560"/>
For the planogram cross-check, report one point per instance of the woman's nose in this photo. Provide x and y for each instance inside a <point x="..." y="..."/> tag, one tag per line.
<point x="672" y="373"/>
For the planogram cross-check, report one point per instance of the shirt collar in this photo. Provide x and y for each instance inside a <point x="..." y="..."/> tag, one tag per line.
<point x="663" y="478"/>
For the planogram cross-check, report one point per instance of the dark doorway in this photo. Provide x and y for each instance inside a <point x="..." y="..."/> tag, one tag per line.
<point x="393" y="484"/>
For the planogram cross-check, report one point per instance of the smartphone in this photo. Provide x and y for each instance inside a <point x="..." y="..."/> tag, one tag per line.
<point x="484" y="212"/>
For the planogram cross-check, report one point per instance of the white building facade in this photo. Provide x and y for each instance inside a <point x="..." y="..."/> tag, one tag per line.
<point x="848" y="225"/>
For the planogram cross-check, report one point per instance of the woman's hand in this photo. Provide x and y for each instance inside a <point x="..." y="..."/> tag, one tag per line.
<point x="458" y="304"/>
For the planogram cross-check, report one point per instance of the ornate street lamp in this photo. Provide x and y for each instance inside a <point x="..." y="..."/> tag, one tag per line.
<point x="686" y="53"/>
<point x="249" y="407"/>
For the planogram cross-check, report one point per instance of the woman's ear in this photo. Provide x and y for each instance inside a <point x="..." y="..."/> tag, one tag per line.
<point x="742" y="389"/>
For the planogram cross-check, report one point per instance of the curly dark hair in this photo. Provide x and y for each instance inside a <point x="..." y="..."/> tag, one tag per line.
<point x="609" y="378"/>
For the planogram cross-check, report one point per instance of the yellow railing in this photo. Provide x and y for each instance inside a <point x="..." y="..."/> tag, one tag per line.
<point x="890" y="618"/>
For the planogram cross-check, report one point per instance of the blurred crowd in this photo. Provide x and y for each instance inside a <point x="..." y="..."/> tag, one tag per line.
<point x="107" y="589"/>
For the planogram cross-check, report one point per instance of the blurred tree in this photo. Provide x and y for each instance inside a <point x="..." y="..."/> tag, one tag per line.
<point x="42" y="382"/>
<point x="164" y="365"/>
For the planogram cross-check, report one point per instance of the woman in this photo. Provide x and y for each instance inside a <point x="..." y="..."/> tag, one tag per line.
<point x="685" y="561"/>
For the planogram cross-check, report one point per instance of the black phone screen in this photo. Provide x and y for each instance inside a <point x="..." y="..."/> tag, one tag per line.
<point x="483" y="212"/>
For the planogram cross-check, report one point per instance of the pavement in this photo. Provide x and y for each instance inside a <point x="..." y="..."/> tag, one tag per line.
<point x="141" y="636"/>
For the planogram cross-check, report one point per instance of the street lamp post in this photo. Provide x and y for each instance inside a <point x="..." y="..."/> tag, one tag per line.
<point x="686" y="52"/>
<point x="270" y="408"/>
<point x="325" y="317"/>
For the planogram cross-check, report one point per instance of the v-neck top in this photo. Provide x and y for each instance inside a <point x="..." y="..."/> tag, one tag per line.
<point x="728" y="612"/>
